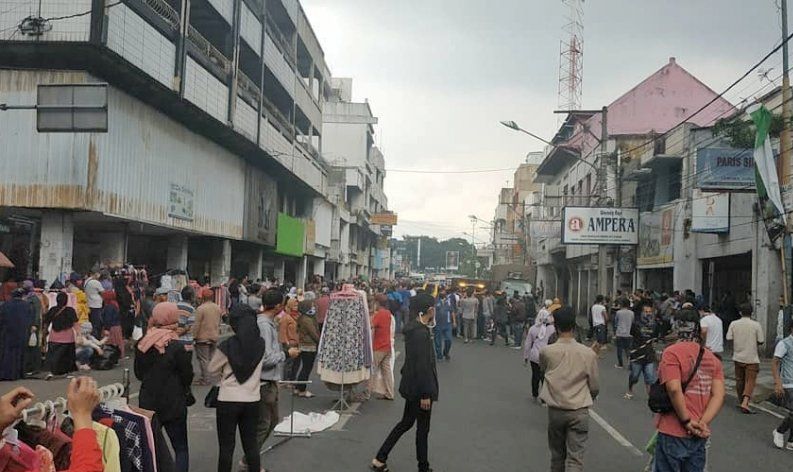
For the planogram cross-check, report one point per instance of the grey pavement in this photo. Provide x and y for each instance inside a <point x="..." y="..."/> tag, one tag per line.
<point x="484" y="421"/>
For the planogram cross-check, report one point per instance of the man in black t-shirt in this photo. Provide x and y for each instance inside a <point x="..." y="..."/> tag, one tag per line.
<point x="644" y="332"/>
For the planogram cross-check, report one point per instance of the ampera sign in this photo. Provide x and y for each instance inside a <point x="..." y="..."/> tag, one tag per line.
<point x="587" y="225"/>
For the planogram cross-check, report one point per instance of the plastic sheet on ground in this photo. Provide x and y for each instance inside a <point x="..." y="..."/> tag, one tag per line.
<point x="308" y="423"/>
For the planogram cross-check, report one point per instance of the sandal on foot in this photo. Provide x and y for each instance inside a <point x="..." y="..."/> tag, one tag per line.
<point x="379" y="468"/>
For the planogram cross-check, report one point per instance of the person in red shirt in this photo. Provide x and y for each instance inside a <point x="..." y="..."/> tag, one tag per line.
<point x="382" y="326"/>
<point x="683" y="433"/>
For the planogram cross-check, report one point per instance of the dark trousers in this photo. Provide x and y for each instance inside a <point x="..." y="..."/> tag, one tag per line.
<point x="268" y="412"/>
<point x="623" y="347"/>
<point x="443" y="341"/>
<point x="567" y="434"/>
<point x="500" y="328"/>
<point x="177" y="433"/>
<point x="95" y="317"/>
<point x="306" y="364"/>
<point x="517" y="331"/>
<point x="412" y="414"/>
<point x="480" y="327"/>
<point x="537" y="378"/>
<point x="787" y="423"/>
<point x="229" y="416"/>
<point x="291" y="366"/>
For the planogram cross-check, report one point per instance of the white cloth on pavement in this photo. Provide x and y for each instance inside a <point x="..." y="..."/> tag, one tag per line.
<point x="308" y="423"/>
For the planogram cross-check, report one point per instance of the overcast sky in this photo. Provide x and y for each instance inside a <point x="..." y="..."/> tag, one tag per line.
<point x="440" y="74"/>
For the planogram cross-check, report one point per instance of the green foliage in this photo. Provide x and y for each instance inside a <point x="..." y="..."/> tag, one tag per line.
<point x="740" y="134"/>
<point x="433" y="253"/>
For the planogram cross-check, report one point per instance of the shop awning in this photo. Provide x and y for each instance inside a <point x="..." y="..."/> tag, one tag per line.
<point x="5" y="262"/>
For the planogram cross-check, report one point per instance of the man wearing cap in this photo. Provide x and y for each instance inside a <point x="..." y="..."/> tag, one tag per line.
<point x="206" y="331"/>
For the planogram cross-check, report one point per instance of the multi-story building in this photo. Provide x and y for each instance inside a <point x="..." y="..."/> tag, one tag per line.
<point x="212" y="158"/>
<point x="358" y="175"/>
<point x="512" y="215"/>
<point x="656" y="105"/>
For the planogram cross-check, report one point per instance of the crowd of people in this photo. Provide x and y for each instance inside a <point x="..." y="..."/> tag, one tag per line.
<point x="276" y="330"/>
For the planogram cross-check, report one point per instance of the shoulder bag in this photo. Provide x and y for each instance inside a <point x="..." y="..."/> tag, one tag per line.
<point x="658" y="398"/>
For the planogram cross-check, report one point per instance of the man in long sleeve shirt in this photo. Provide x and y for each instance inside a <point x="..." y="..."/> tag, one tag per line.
<point x="272" y="364"/>
<point x="571" y="384"/>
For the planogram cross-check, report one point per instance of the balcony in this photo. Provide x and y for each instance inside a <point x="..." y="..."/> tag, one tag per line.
<point x="278" y="38"/>
<point x="208" y="50"/>
<point x="247" y="89"/>
<point x="282" y="122"/>
<point x="164" y="11"/>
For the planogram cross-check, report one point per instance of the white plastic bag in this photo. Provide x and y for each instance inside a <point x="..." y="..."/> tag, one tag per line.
<point x="137" y="333"/>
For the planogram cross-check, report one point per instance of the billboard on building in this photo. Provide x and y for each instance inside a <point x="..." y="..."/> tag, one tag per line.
<point x="291" y="236"/>
<point x="385" y="219"/>
<point x="311" y="236"/>
<point x="710" y="212"/>
<point x="545" y="229"/>
<point x="181" y="201"/>
<point x="589" y="225"/>
<point x="452" y="260"/>
<point x="656" y="237"/>
<point x="725" y="169"/>
<point x="261" y="213"/>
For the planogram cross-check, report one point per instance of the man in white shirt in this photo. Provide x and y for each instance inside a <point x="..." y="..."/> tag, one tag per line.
<point x="93" y="292"/>
<point x="600" y="319"/>
<point x="746" y="334"/>
<point x="712" y="331"/>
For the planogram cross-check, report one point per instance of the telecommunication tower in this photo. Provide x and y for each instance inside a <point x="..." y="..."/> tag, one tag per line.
<point x="571" y="56"/>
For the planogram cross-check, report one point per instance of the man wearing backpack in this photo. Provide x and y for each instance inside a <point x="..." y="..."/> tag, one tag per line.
<point x="694" y="380"/>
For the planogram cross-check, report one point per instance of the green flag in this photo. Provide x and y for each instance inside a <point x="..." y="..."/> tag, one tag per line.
<point x="766" y="179"/>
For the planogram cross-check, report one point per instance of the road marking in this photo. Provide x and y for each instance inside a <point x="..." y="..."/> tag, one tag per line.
<point x="621" y="440"/>
<point x="766" y="410"/>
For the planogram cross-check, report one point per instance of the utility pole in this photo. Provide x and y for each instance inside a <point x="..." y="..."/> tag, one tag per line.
<point x="602" y="182"/>
<point x="418" y="254"/>
<point x="785" y="142"/>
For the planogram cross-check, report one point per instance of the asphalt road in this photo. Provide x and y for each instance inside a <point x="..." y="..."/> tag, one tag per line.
<point x="484" y="421"/>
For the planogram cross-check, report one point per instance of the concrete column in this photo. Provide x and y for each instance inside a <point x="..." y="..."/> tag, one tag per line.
<point x="220" y="269"/>
<point x="255" y="264"/>
<point x="113" y="249"/>
<point x="302" y="270"/>
<point x="279" y="270"/>
<point x="57" y="245"/>
<point x="177" y="252"/>
<point x="766" y="285"/>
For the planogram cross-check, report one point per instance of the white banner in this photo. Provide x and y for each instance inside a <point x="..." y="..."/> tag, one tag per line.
<point x="587" y="225"/>
<point x="710" y="212"/>
<point x="545" y="229"/>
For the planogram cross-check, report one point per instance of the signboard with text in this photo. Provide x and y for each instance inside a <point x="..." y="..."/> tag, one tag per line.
<point x="545" y="229"/>
<point x="385" y="219"/>
<point x="588" y="225"/>
<point x="656" y="237"/>
<point x="710" y="212"/>
<point x="452" y="260"/>
<point x="180" y="202"/>
<point x="725" y="169"/>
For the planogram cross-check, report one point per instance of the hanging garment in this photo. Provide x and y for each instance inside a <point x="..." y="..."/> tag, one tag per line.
<point x="344" y="355"/>
<point x="151" y="459"/>
<point x="129" y="435"/>
<point x="111" y="450"/>
<point x="18" y="458"/>
<point x="56" y="441"/>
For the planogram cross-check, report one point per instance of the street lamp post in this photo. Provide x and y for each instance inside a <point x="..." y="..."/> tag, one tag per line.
<point x="474" y="220"/>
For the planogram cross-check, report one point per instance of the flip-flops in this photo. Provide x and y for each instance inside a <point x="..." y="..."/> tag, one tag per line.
<point x="381" y="468"/>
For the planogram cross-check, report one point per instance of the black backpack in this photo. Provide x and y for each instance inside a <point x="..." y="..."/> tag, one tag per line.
<point x="658" y="399"/>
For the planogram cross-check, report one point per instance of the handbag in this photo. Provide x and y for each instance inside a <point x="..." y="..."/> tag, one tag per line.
<point x="211" y="400"/>
<point x="658" y="398"/>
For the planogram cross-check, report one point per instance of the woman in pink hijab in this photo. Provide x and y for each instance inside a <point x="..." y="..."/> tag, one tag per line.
<point x="166" y="372"/>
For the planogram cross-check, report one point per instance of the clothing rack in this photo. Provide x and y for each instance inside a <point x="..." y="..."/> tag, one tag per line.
<point x="106" y="393"/>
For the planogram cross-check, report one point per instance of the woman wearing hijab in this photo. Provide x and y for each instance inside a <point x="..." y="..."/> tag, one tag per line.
<point x="62" y="321"/>
<point x="238" y="364"/>
<point x="166" y="371"/>
<point x="111" y="317"/>
<point x="16" y="318"/>
<point x="539" y="336"/>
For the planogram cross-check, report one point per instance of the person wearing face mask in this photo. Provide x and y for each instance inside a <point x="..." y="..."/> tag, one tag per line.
<point x="418" y="386"/>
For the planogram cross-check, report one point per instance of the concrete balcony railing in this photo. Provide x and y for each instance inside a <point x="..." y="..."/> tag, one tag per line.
<point x="164" y="11"/>
<point x="209" y="51"/>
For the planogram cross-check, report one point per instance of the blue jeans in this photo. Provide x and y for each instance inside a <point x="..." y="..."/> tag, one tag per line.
<point x="517" y="332"/>
<point x="443" y="341"/>
<point x="674" y="454"/>
<point x="638" y="370"/>
<point x="601" y="334"/>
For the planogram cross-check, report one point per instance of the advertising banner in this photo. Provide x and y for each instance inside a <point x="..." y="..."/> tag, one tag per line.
<point x="588" y="225"/>
<point x="291" y="236"/>
<point x="181" y="202"/>
<point x="656" y="237"/>
<point x="261" y="203"/>
<point x="385" y="219"/>
<point x="725" y="169"/>
<point x="452" y="260"/>
<point x="710" y="212"/>
<point x="545" y="229"/>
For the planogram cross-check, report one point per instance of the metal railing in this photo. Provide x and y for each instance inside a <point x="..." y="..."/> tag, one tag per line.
<point x="246" y="85"/>
<point x="164" y="11"/>
<point x="210" y="51"/>
<point x="276" y="113"/>
<point x="279" y="38"/>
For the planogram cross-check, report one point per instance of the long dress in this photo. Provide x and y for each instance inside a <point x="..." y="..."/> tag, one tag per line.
<point x="16" y="317"/>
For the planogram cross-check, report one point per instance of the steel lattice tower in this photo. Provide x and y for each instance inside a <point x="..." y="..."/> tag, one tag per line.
<point x="571" y="56"/>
